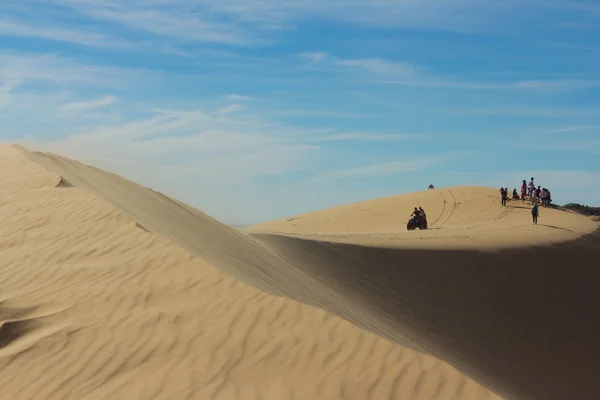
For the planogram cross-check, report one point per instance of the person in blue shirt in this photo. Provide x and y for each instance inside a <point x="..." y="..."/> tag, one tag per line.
<point x="535" y="212"/>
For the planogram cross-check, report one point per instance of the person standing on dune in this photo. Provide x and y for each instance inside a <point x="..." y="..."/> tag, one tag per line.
<point x="534" y="213"/>
<point x="544" y="196"/>
<point x="531" y="187"/>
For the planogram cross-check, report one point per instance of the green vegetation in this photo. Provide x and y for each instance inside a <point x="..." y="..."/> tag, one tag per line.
<point x="585" y="210"/>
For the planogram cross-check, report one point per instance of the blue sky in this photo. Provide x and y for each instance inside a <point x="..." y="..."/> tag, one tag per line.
<point x="258" y="109"/>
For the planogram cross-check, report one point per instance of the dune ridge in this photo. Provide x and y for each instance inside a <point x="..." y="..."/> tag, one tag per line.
<point x="461" y="303"/>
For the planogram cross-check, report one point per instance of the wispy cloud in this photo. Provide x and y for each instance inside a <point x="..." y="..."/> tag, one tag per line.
<point x="239" y="97"/>
<point x="205" y="17"/>
<point x="531" y="86"/>
<point x="381" y="67"/>
<point x="522" y="111"/>
<point x="319" y="113"/>
<point x="568" y="129"/>
<point x="90" y="104"/>
<point x="20" y="67"/>
<point x="313" y="58"/>
<point x="207" y="146"/>
<point x="241" y="22"/>
<point x="212" y="146"/>
<point x="565" y="145"/>
<point x="181" y="21"/>
<point x="32" y="29"/>
<point x="406" y="74"/>
<point x="365" y="137"/>
<point x="229" y="109"/>
<point x="381" y="170"/>
<point x="5" y="90"/>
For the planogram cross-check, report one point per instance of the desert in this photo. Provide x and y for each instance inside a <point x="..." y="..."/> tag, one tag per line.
<point x="113" y="290"/>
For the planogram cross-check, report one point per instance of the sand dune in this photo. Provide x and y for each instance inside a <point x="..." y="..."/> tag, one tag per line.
<point x="102" y="297"/>
<point x="459" y="218"/>
<point x="93" y="306"/>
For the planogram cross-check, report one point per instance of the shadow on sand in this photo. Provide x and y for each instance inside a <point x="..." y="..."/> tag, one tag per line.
<point x="522" y="321"/>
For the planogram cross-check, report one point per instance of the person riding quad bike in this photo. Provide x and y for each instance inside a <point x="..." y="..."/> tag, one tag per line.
<point x="418" y="220"/>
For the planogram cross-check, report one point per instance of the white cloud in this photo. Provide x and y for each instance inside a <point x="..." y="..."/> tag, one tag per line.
<point x="406" y="74"/>
<point x="172" y="149"/>
<point x="202" y="19"/>
<point x="365" y="137"/>
<point x="582" y="145"/>
<point x="5" y="94"/>
<point x="181" y="20"/>
<point x="232" y="108"/>
<point x="313" y="57"/>
<point x="380" y="170"/>
<point x="523" y="111"/>
<point x="248" y="22"/>
<point x="32" y="29"/>
<point x="238" y="97"/>
<point x="90" y="104"/>
<point x="382" y="67"/>
<point x="319" y="113"/>
<point x="559" y="85"/>
<point x="16" y="68"/>
<point x="575" y="128"/>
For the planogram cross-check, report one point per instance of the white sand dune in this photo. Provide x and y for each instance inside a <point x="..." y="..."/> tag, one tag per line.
<point x="110" y="291"/>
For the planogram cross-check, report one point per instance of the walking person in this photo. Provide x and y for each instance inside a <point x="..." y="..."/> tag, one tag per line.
<point x="524" y="190"/>
<point x="534" y="213"/>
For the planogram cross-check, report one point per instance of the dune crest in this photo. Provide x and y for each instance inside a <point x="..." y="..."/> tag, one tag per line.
<point x="504" y="317"/>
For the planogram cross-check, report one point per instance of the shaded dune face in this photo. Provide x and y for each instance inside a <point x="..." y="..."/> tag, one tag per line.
<point x="520" y="320"/>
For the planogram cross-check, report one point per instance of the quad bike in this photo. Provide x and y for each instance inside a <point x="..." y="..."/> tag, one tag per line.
<point x="416" y="222"/>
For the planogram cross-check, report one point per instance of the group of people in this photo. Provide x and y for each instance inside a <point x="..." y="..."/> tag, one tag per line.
<point x="536" y="195"/>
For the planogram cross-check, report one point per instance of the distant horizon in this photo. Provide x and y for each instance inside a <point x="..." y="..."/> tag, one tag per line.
<point x="253" y="111"/>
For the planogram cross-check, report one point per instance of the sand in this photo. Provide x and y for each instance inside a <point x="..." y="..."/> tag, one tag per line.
<point x="111" y="290"/>
<point x="461" y="217"/>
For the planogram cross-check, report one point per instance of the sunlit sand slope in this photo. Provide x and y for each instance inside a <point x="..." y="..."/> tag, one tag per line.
<point x="458" y="217"/>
